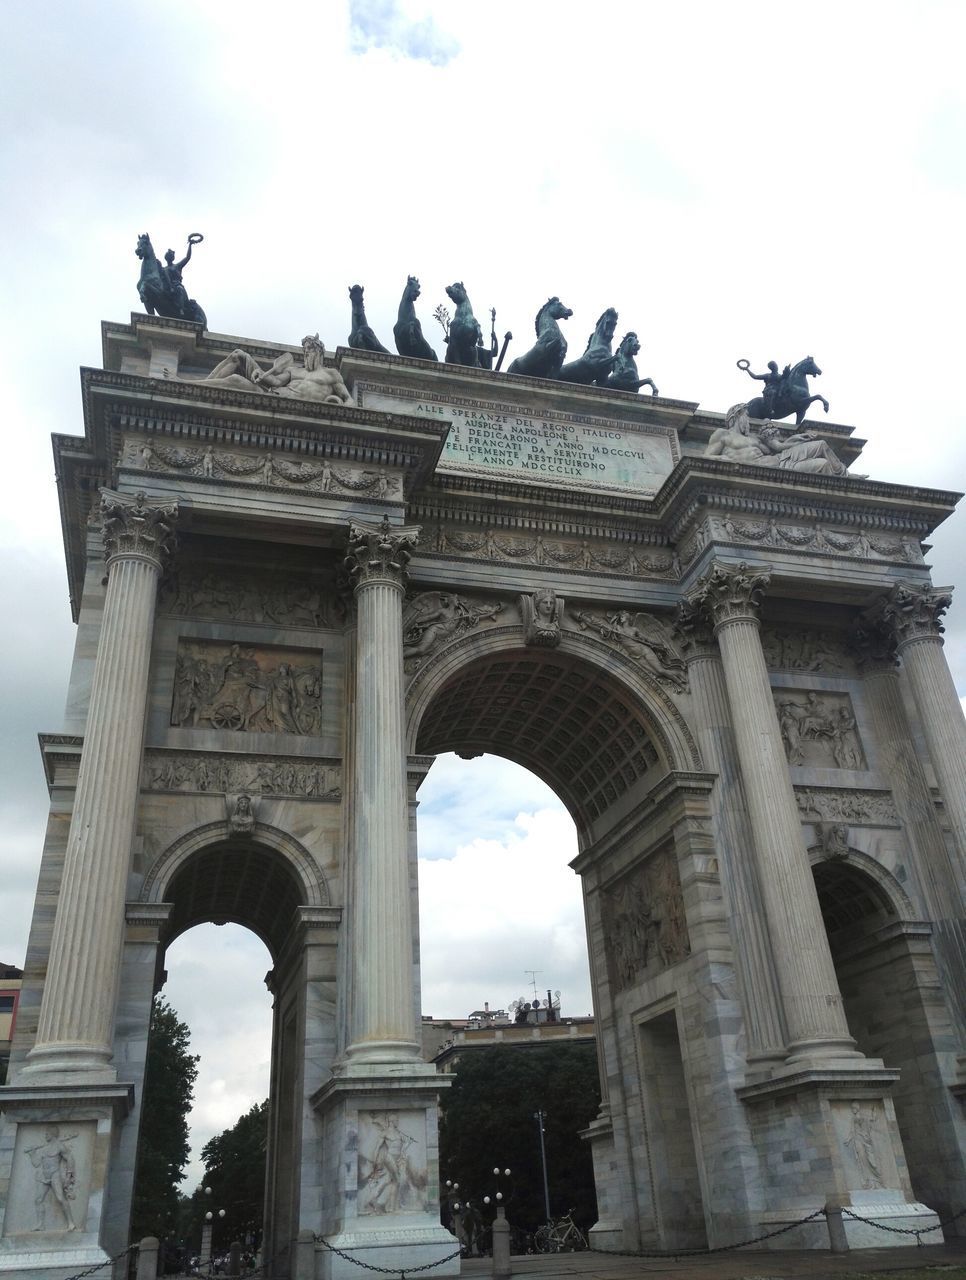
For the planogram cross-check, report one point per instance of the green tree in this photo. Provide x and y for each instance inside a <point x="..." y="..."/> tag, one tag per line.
<point x="169" y="1079"/>
<point x="235" y="1172"/>
<point x="488" y="1122"/>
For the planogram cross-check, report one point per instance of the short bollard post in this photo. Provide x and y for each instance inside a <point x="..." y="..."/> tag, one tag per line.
<point x="148" y="1258"/>
<point x="305" y="1256"/>
<point x="838" y="1240"/>
<point x="234" y="1258"/>
<point x="501" y="1244"/>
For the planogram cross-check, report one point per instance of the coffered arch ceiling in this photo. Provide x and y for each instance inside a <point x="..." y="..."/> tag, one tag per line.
<point x="566" y="721"/>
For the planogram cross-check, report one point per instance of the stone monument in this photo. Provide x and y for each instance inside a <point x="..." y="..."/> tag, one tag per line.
<point x="299" y="576"/>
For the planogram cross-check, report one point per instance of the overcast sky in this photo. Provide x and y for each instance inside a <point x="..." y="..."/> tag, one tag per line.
<point x="754" y="180"/>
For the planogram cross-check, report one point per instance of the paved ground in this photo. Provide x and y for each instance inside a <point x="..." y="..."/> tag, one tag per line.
<point x="945" y="1262"/>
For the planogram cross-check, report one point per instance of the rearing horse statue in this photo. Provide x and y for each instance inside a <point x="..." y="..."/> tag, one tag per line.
<point x="362" y="337"/>
<point x="155" y="284"/>
<point x="546" y="356"/>
<point x="407" y="330"/>
<point x="624" y="376"/>
<point x="597" y="361"/>
<point x="791" y="395"/>
<point x="464" y="329"/>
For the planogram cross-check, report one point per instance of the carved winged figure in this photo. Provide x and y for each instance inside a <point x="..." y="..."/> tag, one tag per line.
<point x="361" y="336"/>
<point x="436" y="616"/>
<point x="407" y="330"/>
<point x="644" y="638"/>
<point x="545" y="358"/>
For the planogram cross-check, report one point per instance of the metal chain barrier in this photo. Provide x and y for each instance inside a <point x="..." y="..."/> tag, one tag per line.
<point x="918" y="1232"/>
<point x="108" y="1262"/>
<point x="386" y="1271"/>
<point x="721" y="1248"/>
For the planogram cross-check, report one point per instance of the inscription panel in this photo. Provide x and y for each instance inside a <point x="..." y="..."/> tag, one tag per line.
<point x="541" y="446"/>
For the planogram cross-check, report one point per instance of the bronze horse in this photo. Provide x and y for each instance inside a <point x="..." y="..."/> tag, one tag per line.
<point x="464" y="329"/>
<point x="546" y="356"/>
<point x="407" y="330"/>
<point x="156" y="288"/>
<point x="624" y="375"/>
<point x="597" y="361"/>
<point x="791" y="395"/>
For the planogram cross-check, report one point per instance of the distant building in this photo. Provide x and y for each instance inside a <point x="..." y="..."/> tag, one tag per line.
<point x="10" y="979"/>
<point x="446" y="1041"/>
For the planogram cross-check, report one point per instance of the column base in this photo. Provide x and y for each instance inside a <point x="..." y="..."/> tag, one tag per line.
<point x="55" y="1150"/>
<point x="381" y="1169"/>
<point x="608" y="1231"/>
<point x="829" y="1134"/>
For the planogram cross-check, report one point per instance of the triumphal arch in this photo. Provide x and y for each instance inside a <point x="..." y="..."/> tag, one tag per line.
<point x="298" y="577"/>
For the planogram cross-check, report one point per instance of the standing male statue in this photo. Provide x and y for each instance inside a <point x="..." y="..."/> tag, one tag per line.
<point x="54" y="1162"/>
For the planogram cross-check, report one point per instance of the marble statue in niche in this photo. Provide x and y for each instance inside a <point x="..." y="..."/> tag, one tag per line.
<point x="644" y="920"/>
<point x="433" y="617"/>
<point x="56" y="1172"/>
<point x="645" y="639"/>
<point x="819" y="730"/>
<point x="392" y="1174"/>
<point x="235" y="687"/>
<point x="542" y="614"/>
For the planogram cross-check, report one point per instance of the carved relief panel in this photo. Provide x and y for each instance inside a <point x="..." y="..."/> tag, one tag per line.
<point x="196" y="591"/>
<point x="266" y="775"/>
<point x="433" y="618"/>
<point x="863" y="1133"/>
<point x="819" y="729"/>
<point x="644" y="921"/>
<point x="50" y="1178"/>
<point x="260" y="689"/>
<point x="806" y="649"/>
<point x="392" y="1172"/>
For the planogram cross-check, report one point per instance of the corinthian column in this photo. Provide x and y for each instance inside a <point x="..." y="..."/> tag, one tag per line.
<point x="915" y="615"/>
<point x="754" y="964"/>
<point x="382" y="1025"/>
<point x="75" y="1031"/>
<point x="814" y="1018"/>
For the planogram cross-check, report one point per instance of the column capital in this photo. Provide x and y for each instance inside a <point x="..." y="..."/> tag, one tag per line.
<point x="915" y="613"/>
<point x="694" y="630"/>
<point x="729" y="593"/>
<point x="135" y="529"/>
<point x="873" y="642"/>
<point x="379" y="552"/>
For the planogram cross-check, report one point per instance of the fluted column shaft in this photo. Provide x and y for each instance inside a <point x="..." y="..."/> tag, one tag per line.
<point x="753" y="952"/>
<point x="75" y="1030"/>
<point x="381" y="988"/>
<point x="812" y="1004"/>
<point x="915" y="617"/>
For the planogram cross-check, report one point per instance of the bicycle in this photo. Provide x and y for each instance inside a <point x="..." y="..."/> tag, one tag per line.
<point x="561" y="1235"/>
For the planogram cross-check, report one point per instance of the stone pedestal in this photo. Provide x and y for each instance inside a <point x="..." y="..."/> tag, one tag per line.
<point x="57" y="1147"/>
<point x="381" y="1171"/>
<point x="835" y="1136"/>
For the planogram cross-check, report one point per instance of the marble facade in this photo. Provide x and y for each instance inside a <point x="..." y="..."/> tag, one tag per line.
<point x="733" y="676"/>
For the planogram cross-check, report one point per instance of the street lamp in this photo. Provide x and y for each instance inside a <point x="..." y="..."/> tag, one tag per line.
<point x="501" y="1232"/>
<point x="207" y="1231"/>
<point x="540" y="1116"/>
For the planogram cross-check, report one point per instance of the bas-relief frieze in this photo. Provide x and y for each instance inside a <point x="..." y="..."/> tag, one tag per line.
<point x="392" y="1173"/>
<point x="806" y="649"/>
<point x="643" y="920"/>
<point x="858" y="808"/>
<point x="823" y="538"/>
<point x="246" y="688"/>
<point x="267" y="468"/>
<point x="433" y="619"/>
<point x="242" y="775"/>
<point x="560" y="553"/>
<point x="863" y="1135"/>
<point x="819" y="729"/>
<point x="242" y="596"/>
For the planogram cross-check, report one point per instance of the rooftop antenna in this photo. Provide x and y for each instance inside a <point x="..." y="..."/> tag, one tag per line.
<point x="533" y="981"/>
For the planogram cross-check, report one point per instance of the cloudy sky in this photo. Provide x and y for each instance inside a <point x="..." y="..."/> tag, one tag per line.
<point x="746" y="179"/>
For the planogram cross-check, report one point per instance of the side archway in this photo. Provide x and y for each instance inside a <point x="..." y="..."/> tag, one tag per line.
<point x="259" y="882"/>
